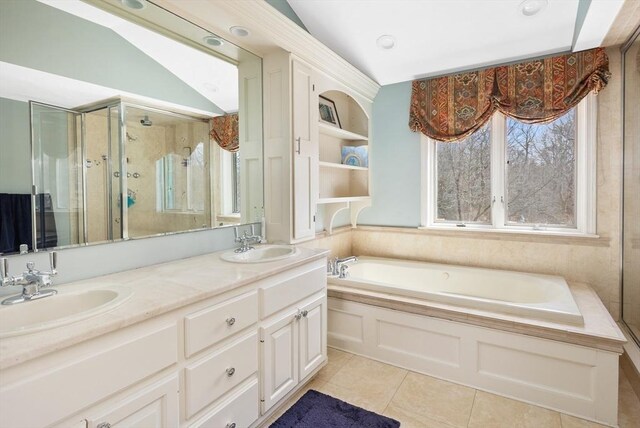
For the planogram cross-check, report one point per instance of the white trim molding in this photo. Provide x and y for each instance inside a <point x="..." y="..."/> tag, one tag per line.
<point x="586" y="123"/>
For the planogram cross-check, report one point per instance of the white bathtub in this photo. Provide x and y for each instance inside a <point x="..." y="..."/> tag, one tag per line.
<point x="529" y="295"/>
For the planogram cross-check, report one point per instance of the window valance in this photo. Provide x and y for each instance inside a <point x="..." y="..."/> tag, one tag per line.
<point x="452" y="107"/>
<point x="224" y="131"/>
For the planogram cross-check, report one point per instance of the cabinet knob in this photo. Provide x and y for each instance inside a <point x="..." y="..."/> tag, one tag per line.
<point x="298" y="140"/>
<point x="231" y="425"/>
<point x="297" y="316"/>
<point x="231" y="321"/>
<point x="230" y="371"/>
<point x="104" y="425"/>
<point x="305" y="313"/>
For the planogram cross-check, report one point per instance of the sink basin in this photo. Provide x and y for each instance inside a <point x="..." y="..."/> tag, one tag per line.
<point x="60" y="309"/>
<point x="261" y="254"/>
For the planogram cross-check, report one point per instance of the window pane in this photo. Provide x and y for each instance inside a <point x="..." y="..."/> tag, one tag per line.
<point x="541" y="172"/>
<point x="464" y="179"/>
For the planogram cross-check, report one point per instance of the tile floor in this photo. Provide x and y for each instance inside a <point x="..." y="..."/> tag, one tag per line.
<point x="417" y="400"/>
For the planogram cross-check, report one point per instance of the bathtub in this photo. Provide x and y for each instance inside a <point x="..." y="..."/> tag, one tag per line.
<point x="528" y="295"/>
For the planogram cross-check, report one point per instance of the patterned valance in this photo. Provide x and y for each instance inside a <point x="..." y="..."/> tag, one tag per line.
<point x="224" y="131"/>
<point x="451" y="107"/>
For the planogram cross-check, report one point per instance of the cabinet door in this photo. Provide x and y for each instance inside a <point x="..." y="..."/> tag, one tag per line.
<point x="305" y="152"/>
<point x="313" y="336"/>
<point x="153" y="407"/>
<point x="279" y="358"/>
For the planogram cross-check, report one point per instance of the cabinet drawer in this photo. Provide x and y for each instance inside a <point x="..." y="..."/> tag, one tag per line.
<point x="210" y="325"/>
<point x="275" y="297"/>
<point x="155" y="406"/>
<point x="63" y="390"/>
<point x="241" y="409"/>
<point x="214" y="375"/>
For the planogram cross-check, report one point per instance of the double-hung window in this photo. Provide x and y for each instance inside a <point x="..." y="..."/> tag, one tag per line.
<point x="514" y="176"/>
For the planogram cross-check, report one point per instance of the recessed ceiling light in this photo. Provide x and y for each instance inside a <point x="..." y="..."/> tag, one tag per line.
<point x="531" y="7"/>
<point x="239" y="31"/>
<point x="386" y="42"/>
<point x="134" y="4"/>
<point x="213" y="41"/>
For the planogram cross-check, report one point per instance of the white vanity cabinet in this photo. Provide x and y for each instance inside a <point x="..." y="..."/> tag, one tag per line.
<point x="305" y="173"/>
<point x="293" y="338"/>
<point x="155" y="406"/>
<point x="223" y="361"/>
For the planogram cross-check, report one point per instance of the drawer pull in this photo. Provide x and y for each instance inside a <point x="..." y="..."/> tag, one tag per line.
<point x="231" y="425"/>
<point x="231" y="321"/>
<point x="104" y="425"/>
<point x="230" y="371"/>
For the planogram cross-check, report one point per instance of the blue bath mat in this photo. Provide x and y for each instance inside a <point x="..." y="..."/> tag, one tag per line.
<point x="316" y="410"/>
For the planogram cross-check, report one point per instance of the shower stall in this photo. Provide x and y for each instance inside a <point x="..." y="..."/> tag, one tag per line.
<point x="117" y="170"/>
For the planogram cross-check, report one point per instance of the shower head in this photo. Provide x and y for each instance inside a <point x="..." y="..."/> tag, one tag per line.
<point x="146" y="121"/>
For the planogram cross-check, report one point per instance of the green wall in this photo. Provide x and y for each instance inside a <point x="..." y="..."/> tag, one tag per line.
<point x="15" y="147"/>
<point x="395" y="161"/>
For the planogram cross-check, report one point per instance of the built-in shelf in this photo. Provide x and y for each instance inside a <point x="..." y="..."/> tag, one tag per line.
<point x="342" y="166"/>
<point x="339" y="133"/>
<point x="343" y="199"/>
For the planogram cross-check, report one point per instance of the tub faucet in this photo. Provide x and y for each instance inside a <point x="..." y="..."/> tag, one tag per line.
<point x="32" y="281"/>
<point x="337" y="265"/>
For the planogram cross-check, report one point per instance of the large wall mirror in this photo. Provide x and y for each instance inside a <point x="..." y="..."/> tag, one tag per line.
<point x="121" y="120"/>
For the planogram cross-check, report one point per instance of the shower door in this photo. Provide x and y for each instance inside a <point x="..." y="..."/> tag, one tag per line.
<point x="57" y="194"/>
<point x="631" y="188"/>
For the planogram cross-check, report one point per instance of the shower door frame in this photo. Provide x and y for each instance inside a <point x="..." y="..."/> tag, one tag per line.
<point x="623" y="50"/>
<point x="34" y="186"/>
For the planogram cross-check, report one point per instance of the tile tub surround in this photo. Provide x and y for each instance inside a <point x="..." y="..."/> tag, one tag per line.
<point x="420" y="401"/>
<point x="157" y="289"/>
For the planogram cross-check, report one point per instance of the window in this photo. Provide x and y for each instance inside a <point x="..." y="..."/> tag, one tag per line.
<point x="514" y="176"/>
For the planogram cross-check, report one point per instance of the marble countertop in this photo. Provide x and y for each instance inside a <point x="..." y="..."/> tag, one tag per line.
<point x="598" y="331"/>
<point x="157" y="289"/>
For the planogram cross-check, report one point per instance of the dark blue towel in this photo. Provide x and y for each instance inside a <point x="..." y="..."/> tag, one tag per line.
<point x="316" y="410"/>
<point x="15" y="221"/>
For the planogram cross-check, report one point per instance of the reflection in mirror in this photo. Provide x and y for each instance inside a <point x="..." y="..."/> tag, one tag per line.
<point x="112" y="127"/>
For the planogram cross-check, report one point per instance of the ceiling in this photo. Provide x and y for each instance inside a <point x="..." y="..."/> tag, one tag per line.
<point x="434" y="37"/>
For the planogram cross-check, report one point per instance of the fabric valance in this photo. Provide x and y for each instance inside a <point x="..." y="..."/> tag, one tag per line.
<point x="224" y="131"/>
<point x="451" y="107"/>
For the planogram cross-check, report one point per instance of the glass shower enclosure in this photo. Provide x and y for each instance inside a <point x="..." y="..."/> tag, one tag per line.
<point x="115" y="171"/>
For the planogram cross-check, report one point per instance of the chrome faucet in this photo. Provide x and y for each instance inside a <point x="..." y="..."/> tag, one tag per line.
<point x="335" y="265"/>
<point x="32" y="281"/>
<point x="246" y="238"/>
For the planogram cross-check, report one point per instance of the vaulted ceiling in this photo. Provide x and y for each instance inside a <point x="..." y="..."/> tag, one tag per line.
<point x="434" y="37"/>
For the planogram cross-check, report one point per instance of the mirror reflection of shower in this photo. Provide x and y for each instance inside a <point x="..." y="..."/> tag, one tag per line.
<point x="129" y="171"/>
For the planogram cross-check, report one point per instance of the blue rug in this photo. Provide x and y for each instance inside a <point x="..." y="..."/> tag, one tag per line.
<point x="316" y="410"/>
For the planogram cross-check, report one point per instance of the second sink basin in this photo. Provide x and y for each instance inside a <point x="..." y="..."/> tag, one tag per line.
<point x="60" y="309"/>
<point x="260" y="254"/>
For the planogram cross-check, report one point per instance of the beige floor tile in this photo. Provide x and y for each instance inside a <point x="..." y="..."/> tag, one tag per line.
<point x="409" y="419"/>
<point x="628" y="404"/>
<point x="573" y="422"/>
<point x="361" y="380"/>
<point x="337" y="359"/>
<point x="493" y="411"/>
<point x="435" y="399"/>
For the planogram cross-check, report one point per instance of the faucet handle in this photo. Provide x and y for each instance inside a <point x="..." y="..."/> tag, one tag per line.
<point x="4" y="268"/>
<point x="53" y="262"/>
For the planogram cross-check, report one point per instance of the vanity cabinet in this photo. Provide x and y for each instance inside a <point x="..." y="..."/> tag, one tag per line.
<point x="156" y="406"/>
<point x="293" y="331"/>
<point x="304" y="169"/>
<point x="221" y="361"/>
